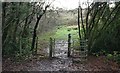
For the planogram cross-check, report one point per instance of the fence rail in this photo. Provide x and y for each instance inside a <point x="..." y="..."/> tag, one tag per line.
<point x="81" y="51"/>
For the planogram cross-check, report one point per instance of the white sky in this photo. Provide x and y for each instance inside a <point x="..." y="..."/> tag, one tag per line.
<point x="72" y="4"/>
<point x="68" y="4"/>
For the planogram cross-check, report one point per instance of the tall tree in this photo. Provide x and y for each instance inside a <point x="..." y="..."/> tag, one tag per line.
<point x="98" y="17"/>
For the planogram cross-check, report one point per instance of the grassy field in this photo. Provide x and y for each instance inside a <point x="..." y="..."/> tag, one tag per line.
<point x="60" y="32"/>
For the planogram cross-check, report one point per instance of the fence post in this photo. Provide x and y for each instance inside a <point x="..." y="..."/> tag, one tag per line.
<point x="86" y="47"/>
<point x="20" y="45"/>
<point x="36" y="45"/>
<point x="51" y="46"/>
<point x="69" y="44"/>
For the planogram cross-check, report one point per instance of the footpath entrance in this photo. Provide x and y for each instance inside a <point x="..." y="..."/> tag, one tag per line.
<point x="68" y="48"/>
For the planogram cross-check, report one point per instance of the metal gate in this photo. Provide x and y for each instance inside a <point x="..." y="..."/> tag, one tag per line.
<point x="60" y="47"/>
<point x="79" y="52"/>
<point x="69" y="48"/>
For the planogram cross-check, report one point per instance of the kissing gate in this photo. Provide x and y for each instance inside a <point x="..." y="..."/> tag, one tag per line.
<point x="62" y="48"/>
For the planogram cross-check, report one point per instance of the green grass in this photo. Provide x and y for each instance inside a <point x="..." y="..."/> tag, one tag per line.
<point x="60" y="32"/>
<point x="45" y="36"/>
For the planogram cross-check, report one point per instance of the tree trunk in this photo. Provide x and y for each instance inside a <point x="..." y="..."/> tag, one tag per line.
<point x="79" y="22"/>
<point x="34" y="32"/>
<point x="82" y="21"/>
<point x="3" y="21"/>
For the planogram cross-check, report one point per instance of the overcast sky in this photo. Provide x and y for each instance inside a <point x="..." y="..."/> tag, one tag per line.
<point x="68" y="4"/>
<point x="72" y="4"/>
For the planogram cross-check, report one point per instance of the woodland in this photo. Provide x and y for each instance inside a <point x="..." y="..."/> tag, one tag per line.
<point x="28" y="29"/>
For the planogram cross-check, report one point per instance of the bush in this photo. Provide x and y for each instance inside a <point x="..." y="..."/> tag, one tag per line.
<point x="18" y="50"/>
<point x="115" y="56"/>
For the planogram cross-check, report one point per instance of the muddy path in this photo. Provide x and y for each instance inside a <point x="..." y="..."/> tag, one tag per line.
<point x="60" y="62"/>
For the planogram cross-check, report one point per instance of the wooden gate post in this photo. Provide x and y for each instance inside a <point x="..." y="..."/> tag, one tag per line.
<point x="36" y="45"/>
<point x="20" y="50"/>
<point x="53" y="49"/>
<point x="69" y="44"/>
<point x="50" y="49"/>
